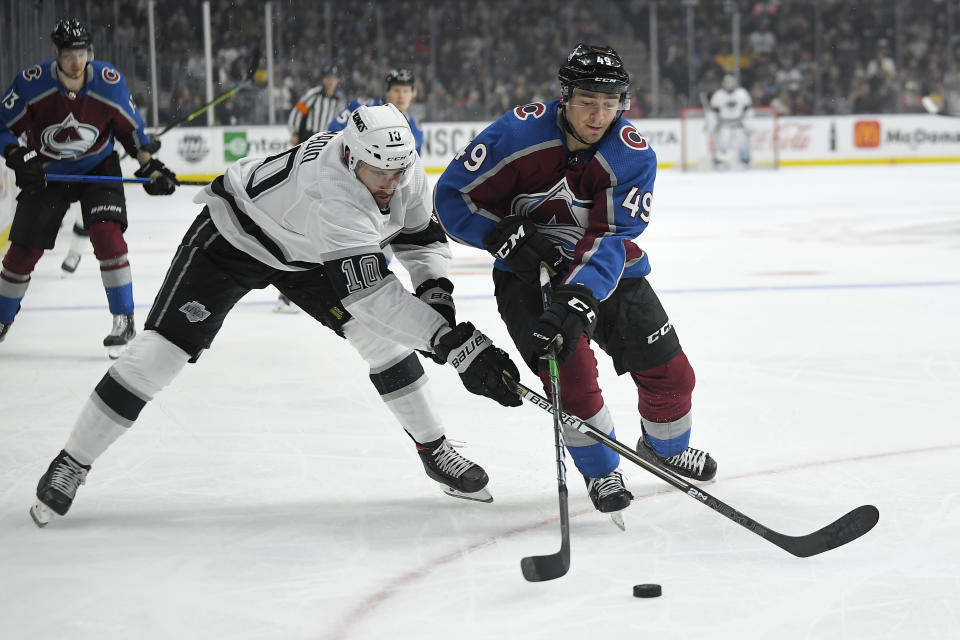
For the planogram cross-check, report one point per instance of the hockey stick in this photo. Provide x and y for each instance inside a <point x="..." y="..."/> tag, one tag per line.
<point x="251" y="70"/>
<point x="66" y="177"/>
<point x="554" y="565"/>
<point x="846" y="529"/>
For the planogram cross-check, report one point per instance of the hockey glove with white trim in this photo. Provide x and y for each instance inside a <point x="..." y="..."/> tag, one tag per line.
<point x="572" y="312"/>
<point x="438" y="293"/>
<point x="163" y="182"/>
<point x="481" y="365"/>
<point x="516" y="241"/>
<point x="28" y="167"/>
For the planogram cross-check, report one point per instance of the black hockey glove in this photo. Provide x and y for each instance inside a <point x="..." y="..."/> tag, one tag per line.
<point x="516" y="241"/>
<point x="437" y="292"/>
<point x="481" y="365"/>
<point x="28" y="167"/>
<point x="572" y="312"/>
<point x="163" y="182"/>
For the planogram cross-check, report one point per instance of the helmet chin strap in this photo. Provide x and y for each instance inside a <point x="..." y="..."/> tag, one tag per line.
<point x="568" y="128"/>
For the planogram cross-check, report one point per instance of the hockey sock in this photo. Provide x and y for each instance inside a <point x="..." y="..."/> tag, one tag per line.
<point x="111" y="250"/>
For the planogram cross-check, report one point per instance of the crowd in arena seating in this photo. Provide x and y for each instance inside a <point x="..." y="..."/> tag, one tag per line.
<point x="473" y="60"/>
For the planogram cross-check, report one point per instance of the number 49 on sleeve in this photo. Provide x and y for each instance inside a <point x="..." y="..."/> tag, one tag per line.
<point x="638" y="204"/>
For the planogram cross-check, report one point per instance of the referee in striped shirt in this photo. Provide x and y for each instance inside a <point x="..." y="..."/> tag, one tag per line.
<point x="317" y="107"/>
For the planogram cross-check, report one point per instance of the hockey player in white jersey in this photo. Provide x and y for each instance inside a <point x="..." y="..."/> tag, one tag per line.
<point x="730" y="104"/>
<point x="311" y="221"/>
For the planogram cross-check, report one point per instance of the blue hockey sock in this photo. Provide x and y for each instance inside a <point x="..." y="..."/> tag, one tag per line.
<point x="595" y="460"/>
<point x="671" y="447"/>
<point x="120" y="299"/>
<point x="8" y="308"/>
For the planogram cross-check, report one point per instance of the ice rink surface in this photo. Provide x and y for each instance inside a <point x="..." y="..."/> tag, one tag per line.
<point x="267" y="494"/>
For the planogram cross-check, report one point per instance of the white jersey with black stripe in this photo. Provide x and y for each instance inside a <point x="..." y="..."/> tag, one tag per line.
<point x="304" y="207"/>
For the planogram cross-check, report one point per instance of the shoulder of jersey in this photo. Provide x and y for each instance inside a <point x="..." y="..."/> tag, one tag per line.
<point x="528" y="123"/>
<point x="35" y="78"/>
<point x="625" y="138"/>
<point x="627" y="152"/>
<point x="105" y="74"/>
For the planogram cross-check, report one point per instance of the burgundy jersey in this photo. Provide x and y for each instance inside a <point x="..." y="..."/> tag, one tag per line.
<point x="73" y="132"/>
<point x="591" y="203"/>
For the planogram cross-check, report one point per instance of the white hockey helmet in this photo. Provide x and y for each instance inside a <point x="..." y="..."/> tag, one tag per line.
<point x="379" y="136"/>
<point x="729" y="82"/>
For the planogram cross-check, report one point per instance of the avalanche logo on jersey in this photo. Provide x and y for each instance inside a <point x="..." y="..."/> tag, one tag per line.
<point x="567" y="215"/>
<point x="110" y="76"/>
<point x="535" y="110"/>
<point x="632" y="138"/>
<point x="68" y="140"/>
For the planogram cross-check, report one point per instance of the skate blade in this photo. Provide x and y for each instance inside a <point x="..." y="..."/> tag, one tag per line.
<point x="617" y="519"/>
<point x="286" y="308"/>
<point x="479" y="496"/>
<point x="41" y="514"/>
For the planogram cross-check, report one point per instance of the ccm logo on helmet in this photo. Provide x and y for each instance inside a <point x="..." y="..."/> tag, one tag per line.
<point x="632" y="138"/>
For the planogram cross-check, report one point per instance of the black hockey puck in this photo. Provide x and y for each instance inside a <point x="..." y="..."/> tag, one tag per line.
<point x="647" y="590"/>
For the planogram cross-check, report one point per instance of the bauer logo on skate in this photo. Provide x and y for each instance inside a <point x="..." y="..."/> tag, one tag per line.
<point x="195" y="311"/>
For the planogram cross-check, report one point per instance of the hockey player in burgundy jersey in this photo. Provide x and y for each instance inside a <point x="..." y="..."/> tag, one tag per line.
<point x="69" y="110"/>
<point x="569" y="183"/>
<point x="311" y="221"/>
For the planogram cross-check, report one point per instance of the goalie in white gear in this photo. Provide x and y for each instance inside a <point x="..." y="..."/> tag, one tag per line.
<point x="311" y="221"/>
<point x="730" y="105"/>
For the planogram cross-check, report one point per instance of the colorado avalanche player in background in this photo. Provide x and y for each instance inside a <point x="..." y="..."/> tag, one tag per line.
<point x="569" y="183"/>
<point x="400" y="91"/>
<point x="69" y="110"/>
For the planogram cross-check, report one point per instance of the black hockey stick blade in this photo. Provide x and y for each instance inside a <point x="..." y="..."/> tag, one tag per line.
<point x="846" y="529"/>
<point x="554" y="565"/>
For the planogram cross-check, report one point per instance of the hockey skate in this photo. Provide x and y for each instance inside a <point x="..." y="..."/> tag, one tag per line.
<point x="691" y="463"/>
<point x="57" y="488"/>
<point x="610" y="495"/>
<point x="71" y="262"/>
<point x="123" y="332"/>
<point x="460" y="477"/>
<point x="4" y="327"/>
<point x="284" y="305"/>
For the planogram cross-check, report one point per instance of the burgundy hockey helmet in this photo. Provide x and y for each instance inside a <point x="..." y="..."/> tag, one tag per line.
<point x="594" y="68"/>
<point x="70" y="33"/>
